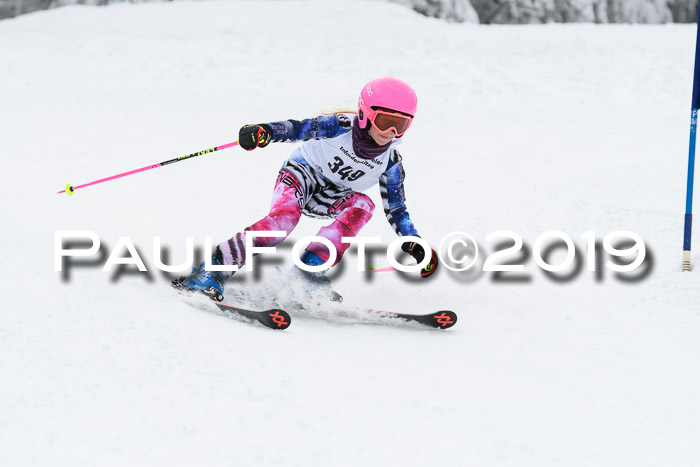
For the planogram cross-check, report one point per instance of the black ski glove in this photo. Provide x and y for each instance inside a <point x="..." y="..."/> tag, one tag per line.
<point x="418" y="253"/>
<point x="254" y="136"/>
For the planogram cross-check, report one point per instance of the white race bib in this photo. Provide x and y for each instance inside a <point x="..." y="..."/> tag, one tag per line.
<point x="335" y="159"/>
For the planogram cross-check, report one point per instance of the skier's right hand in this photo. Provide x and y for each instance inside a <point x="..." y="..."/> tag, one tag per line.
<point x="254" y="136"/>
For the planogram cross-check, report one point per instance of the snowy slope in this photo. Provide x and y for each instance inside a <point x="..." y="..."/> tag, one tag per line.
<point x="530" y="129"/>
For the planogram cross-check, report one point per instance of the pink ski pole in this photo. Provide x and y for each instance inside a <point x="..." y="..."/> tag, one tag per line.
<point x="70" y="189"/>
<point x="386" y="269"/>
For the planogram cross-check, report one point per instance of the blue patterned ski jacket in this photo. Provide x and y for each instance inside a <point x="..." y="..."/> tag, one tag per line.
<point x="390" y="182"/>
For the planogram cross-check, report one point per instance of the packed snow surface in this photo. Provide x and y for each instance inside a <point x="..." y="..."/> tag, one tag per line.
<point x="573" y="128"/>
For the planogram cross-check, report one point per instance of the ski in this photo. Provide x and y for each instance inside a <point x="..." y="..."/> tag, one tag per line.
<point x="442" y="319"/>
<point x="273" y="318"/>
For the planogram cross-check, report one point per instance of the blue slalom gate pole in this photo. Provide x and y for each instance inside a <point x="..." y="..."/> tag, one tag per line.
<point x="694" y="106"/>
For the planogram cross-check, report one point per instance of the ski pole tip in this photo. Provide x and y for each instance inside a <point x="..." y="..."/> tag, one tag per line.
<point x="70" y="191"/>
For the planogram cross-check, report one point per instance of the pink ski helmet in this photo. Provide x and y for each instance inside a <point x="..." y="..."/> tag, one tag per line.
<point x="388" y="93"/>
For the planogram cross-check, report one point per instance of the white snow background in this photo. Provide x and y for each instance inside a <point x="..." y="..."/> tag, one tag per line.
<point x="527" y="128"/>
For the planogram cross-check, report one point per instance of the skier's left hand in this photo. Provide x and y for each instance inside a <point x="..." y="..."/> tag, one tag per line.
<point x="416" y="250"/>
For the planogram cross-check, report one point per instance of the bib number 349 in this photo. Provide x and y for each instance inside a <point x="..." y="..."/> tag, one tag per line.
<point x="345" y="171"/>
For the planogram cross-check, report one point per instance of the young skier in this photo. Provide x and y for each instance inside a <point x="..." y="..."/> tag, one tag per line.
<point x="342" y="156"/>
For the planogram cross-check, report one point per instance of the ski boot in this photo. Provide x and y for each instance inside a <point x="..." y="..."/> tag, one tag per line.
<point x="314" y="284"/>
<point x="209" y="283"/>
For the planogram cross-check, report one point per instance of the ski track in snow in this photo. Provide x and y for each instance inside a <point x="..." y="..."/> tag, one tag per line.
<point x="526" y="128"/>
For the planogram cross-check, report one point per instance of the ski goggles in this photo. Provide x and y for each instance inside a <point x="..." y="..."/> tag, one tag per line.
<point x="385" y="121"/>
